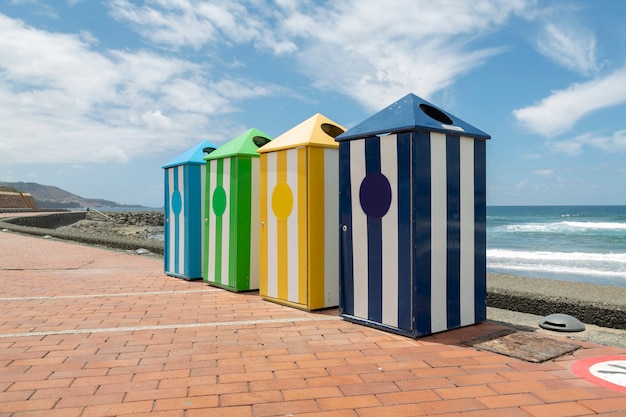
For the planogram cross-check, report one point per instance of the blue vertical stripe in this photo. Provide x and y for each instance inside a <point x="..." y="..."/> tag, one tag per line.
<point x="405" y="280"/>
<point x="480" y="237"/>
<point x="176" y="227"/>
<point x="346" y="289"/>
<point x="374" y="234"/>
<point x="420" y="157"/>
<point x="193" y="217"/>
<point x="453" y="262"/>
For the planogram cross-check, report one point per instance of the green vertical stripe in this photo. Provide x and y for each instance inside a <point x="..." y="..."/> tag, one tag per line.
<point x="244" y="222"/>
<point x="218" y="226"/>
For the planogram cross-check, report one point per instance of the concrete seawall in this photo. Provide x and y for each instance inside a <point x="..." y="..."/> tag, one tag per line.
<point x="49" y="221"/>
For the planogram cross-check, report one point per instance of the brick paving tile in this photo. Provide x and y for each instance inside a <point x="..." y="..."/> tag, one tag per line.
<point x="449" y="406"/>
<point x="370" y="388"/>
<point x="249" y="398"/>
<point x="64" y="412"/>
<point x="510" y="400"/>
<point x="154" y="394"/>
<point x="186" y="403"/>
<point x="333" y="413"/>
<point x="405" y="397"/>
<point x="311" y="393"/>
<point x="69" y="401"/>
<point x="403" y="410"/>
<point x="617" y="404"/>
<point x="498" y="412"/>
<point x="133" y="341"/>
<point x="117" y="409"/>
<point x="565" y="409"/>
<point x="284" y="408"/>
<point x="241" y="411"/>
<point x="353" y="402"/>
<point x="424" y="383"/>
<point x="471" y="391"/>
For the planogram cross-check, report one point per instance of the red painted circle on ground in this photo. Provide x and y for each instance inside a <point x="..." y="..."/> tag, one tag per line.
<point x="606" y="371"/>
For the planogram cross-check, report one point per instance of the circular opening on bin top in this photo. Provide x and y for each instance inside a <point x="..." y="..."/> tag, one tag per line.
<point x="208" y="149"/>
<point x="331" y="130"/>
<point x="436" y="114"/>
<point x="260" y="141"/>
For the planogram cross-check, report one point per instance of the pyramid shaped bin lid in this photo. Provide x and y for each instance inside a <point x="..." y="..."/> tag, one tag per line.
<point x="193" y="155"/>
<point x="317" y="130"/>
<point x="245" y="144"/>
<point x="411" y="113"/>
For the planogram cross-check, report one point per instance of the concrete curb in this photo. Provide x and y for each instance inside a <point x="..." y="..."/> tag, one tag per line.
<point x="600" y="305"/>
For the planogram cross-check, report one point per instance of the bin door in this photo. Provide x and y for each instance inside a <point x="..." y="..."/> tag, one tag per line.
<point x="283" y="263"/>
<point x="174" y="249"/>
<point x="375" y="210"/>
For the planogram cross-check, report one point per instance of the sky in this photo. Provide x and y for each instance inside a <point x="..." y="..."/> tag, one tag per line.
<point x="97" y="95"/>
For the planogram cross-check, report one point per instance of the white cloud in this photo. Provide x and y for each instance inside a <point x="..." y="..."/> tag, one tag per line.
<point x="62" y="101"/>
<point x="548" y="173"/>
<point x="559" y="112"/>
<point x="573" y="47"/>
<point x="178" y="23"/>
<point x="378" y="51"/>
<point x="372" y="51"/>
<point x="613" y="143"/>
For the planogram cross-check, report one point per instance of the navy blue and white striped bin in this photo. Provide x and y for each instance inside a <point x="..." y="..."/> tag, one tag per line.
<point x="412" y="218"/>
<point x="185" y="178"/>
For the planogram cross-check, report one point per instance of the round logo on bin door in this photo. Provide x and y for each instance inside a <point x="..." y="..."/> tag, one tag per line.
<point x="219" y="201"/>
<point x="177" y="202"/>
<point x="282" y="201"/>
<point x="375" y="195"/>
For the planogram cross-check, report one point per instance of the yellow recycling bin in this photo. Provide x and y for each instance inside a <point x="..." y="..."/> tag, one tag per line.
<point x="299" y="214"/>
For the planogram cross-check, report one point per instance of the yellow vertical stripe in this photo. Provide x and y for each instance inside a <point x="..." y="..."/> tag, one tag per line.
<point x="302" y="226"/>
<point x="263" y="252"/>
<point x="316" y="227"/>
<point x="282" y="232"/>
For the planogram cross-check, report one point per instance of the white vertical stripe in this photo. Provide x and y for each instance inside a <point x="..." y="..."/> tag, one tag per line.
<point x="359" y="230"/>
<point x="272" y="227"/>
<point x="201" y="203"/>
<point x="467" y="231"/>
<point x="389" y="164"/>
<point x="171" y="256"/>
<point x="292" y="227"/>
<point x="212" y="167"/>
<point x="331" y="227"/>
<point x="226" y="221"/>
<point x="182" y="229"/>
<point x="254" y="225"/>
<point x="438" y="208"/>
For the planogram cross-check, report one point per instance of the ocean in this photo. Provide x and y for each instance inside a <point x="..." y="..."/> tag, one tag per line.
<point x="567" y="243"/>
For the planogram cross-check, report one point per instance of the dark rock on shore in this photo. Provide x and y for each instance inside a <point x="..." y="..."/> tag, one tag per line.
<point x="117" y="230"/>
<point x="128" y="218"/>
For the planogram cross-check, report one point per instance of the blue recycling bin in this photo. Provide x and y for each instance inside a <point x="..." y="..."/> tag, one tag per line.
<point x="412" y="217"/>
<point x="184" y="207"/>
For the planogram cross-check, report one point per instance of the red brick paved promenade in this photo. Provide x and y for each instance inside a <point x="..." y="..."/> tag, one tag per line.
<point x="93" y="332"/>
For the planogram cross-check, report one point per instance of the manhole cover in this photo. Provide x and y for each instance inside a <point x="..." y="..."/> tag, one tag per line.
<point x="526" y="346"/>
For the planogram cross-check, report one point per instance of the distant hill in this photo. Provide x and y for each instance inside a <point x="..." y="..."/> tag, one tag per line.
<point x="49" y="196"/>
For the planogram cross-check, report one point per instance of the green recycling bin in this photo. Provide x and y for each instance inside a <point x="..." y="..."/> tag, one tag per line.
<point x="231" y="258"/>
